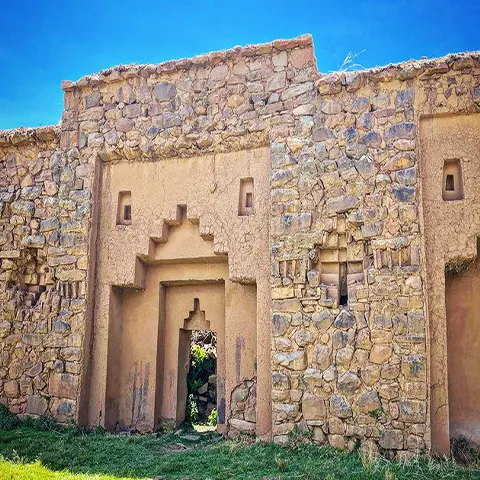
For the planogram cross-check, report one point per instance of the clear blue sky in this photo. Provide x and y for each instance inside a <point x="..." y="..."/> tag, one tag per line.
<point x="44" y="41"/>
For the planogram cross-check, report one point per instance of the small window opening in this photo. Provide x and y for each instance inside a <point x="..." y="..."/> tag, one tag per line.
<point x="245" y="201"/>
<point x="343" y="294"/>
<point x="341" y="270"/>
<point x="452" y="188"/>
<point x="249" y="200"/>
<point x="127" y="213"/>
<point x="124" y="209"/>
<point x="450" y="183"/>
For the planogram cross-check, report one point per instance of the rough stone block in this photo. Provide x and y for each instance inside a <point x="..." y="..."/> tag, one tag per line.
<point x="313" y="407"/>
<point x="37" y="405"/>
<point x="164" y="91"/>
<point x="339" y="407"/>
<point x="63" y="385"/>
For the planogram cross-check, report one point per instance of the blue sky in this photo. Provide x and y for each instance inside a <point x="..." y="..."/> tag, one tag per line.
<point x="44" y="41"/>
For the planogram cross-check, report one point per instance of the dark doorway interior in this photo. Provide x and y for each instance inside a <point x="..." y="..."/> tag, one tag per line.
<point x="201" y="405"/>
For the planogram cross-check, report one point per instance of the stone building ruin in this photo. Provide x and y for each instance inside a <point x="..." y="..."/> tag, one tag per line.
<point x="323" y="226"/>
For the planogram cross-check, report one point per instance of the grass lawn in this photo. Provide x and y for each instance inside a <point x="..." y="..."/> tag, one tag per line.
<point x="68" y="454"/>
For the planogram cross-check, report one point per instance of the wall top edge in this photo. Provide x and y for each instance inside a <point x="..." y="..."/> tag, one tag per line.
<point x="25" y="135"/>
<point x="426" y="68"/>
<point x="123" y="72"/>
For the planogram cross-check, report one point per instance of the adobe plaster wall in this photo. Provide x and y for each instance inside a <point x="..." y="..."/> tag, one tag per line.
<point x="205" y="240"/>
<point x="351" y="175"/>
<point x="451" y="230"/>
<point x="463" y="352"/>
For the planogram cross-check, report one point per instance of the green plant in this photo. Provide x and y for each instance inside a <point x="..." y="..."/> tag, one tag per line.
<point x="213" y="418"/>
<point x="202" y="365"/>
<point x="191" y="411"/>
<point x="376" y="413"/>
<point x="199" y="355"/>
<point x="297" y="435"/>
<point x="8" y="420"/>
<point x="42" y="424"/>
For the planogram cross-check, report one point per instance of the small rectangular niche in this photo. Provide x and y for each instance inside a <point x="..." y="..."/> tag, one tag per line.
<point x="452" y="188"/>
<point x="246" y="198"/>
<point x="124" y="209"/>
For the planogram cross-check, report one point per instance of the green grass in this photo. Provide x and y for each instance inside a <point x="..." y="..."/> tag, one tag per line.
<point x="28" y="452"/>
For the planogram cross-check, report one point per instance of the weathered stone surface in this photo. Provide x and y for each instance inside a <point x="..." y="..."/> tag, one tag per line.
<point x="276" y="82"/>
<point x="63" y="410"/>
<point x="404" y="194"/>
<point x="369" y="402"/>
<point x="365" y="167"/>
<point x="342" y="199"/>
<point x="344" y="356"/>
<point x="343" y="204"/>
<point x="322" y="320"/>
<point x="293" y="360"/>
<point x="322" y="133"/>
<point x="323" y="356"/>
<point x="125" y="125"/>
<point x="339" y="407"/>
<point x="242" y="425"/>
<point x="63" y="385"/>
<point x="400" y="130"/>
<point x="348" y="383"/>
<point x="339" y="339"/>
<point x="37" y="405"/>
<point x="412" y="411"/>
<point x="10" y="389"/>
<point x="313" y="407"/>
<point x="280" y="380"/>
<point x="414" y="366"/>
<point x="164" y="91"/>
<point x="280" y="323"/>
<point x="49" y="224"/>
<point x="303" y="337"/>
<point x="371" y="230"/>
<point x="313" y="377"/>
<point x="290" y="306"/>
<point x="291" y="223"/>
<point x="392" y="440"/>
<point x="344" y="320"/>
<point x="296" y="90"/>
<point x="23" y="208"/>
<point x="380" y="353"/>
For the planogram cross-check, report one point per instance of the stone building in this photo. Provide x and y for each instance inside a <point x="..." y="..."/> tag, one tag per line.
<point x="323" y="226"/>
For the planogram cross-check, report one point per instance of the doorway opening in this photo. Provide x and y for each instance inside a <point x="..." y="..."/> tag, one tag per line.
<point x="462" y="284"/>
<point x="201" y="404"/>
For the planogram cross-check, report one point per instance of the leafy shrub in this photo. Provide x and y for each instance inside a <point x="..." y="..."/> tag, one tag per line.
<point x="191" y="411"/>
<point x="42" y="424"/>
<point x="213" y="418"/>
<point x="8" y="420"/>
<point x="202" y="365"/>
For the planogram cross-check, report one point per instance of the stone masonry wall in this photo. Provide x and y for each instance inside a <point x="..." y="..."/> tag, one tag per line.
<point x="43" y="238"/>
<point x="346" y="226"/>
<point x="357" y="371"/>
<point x="348" y="192"/>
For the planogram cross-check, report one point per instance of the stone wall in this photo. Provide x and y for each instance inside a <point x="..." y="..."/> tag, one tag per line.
<point x="349" y="192"/>
<point x="350" y="347"/>
<point x="357" y="371"/>
<point x="43" y="233"/>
